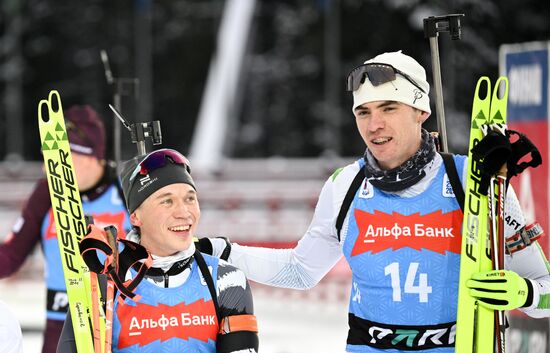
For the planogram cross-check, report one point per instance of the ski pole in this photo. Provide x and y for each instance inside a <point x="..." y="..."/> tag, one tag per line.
<point x="111" y="238"/>
<point x="432" y="26"/>
<point x="497" y="195"/>
<point x="500" y="314"/>
<point x="498" y="192"/>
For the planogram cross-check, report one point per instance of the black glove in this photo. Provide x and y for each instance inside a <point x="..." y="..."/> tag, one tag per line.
<point x="493" y="152"/>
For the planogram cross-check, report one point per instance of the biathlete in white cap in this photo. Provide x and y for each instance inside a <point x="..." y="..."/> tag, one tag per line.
<point x="401" y="231"/>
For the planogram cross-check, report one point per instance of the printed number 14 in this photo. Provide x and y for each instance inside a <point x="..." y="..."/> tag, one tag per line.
<point x="422" y="289"/>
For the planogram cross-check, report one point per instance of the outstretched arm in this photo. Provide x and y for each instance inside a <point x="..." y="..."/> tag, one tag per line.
<point x="305" y="265"/>
<point x="315" y="254"/>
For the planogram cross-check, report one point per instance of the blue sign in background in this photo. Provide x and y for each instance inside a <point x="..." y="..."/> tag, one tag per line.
<point x="526" y="66"/>
<point x="527" y="73"/>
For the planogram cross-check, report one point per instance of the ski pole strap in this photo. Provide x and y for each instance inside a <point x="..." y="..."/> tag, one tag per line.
<point x="492" y="152"/>
<point x="521" y="147"/>
<point x="90" y="244"/>
<point x="524" y="238"/>
<point x="133" y="255"/>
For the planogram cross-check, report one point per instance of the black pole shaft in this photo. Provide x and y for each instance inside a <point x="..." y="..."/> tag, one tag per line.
<point x="439" y="102"/>
<point x="432" y="26"/>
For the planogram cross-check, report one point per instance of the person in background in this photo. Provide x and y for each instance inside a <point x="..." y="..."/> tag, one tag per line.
<point x="205" y="303"/>
<point x="401" y="233"/>
<point x="11" y="338"/>
<point x="101" y="198"/>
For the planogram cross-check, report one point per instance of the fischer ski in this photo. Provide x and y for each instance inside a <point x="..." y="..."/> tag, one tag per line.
<point x="475" y="331"/>
<point x="69" y="218"/>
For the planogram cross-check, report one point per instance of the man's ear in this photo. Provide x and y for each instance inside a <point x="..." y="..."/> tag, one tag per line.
<point x="423" y="116"/>
<point x="134" y="219"/>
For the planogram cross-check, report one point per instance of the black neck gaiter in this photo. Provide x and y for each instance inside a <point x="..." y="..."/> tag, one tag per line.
<point x="407" y="174"/>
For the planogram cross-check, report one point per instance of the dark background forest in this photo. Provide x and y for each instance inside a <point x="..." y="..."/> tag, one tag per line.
<point x="291" y="100"/>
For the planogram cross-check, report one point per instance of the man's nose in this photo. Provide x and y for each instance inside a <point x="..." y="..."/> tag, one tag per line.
<point x="181" y="210"/>
<point x="376" y="121"/>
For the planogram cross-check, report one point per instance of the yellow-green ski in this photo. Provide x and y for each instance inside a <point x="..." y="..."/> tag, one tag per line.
<point x="475" y="332"/>
<point x="69" y="218"/>
<point x="499" y="102"/>
<point x="474" y="229"/>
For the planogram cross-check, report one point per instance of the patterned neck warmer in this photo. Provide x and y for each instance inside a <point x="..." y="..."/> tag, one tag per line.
<point x="164" y="262"/>
<point x="407" y="174"/>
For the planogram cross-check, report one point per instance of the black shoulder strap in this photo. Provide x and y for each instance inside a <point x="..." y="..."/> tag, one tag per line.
<point x="209" y="281"/>
<point x="450" y="168"/>
<point x="355" y="184"/>
<point x="452" y="173"/>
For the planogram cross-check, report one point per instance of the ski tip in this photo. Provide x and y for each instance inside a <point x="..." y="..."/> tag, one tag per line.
<point x="501" y="89"/>
<point x="502" y="79"/>
<point x="50" y="107"/>
<point x="483" y="88"/>
<point x="43" y="118"/>
<point x="54" y="100"/>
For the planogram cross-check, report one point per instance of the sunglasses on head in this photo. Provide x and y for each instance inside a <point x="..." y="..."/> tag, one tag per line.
<point x="377" y="74"/>
<point x="158" y="159"/>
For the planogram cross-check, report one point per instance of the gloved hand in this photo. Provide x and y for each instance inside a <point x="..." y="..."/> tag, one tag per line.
<point x="500" y="289"/>
<point x="218" y="247"/>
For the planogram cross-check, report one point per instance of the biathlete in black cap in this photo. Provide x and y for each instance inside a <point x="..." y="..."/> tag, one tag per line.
<point x="189" y="302"/>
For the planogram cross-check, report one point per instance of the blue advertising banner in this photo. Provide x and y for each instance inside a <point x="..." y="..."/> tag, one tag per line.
<point x="527" y="73"/>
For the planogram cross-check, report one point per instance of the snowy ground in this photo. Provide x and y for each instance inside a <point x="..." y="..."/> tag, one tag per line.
<point x="289" y="321"/>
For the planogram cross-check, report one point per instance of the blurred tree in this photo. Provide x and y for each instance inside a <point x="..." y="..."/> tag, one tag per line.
<point x="367" y="29"/>
<point x="285" y="106"/>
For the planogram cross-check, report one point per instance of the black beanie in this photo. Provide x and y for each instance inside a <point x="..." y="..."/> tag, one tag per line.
<point x="143" y="186"/>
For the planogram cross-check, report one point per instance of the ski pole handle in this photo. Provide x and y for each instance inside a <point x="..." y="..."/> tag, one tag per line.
<point x="432" y="26"/>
